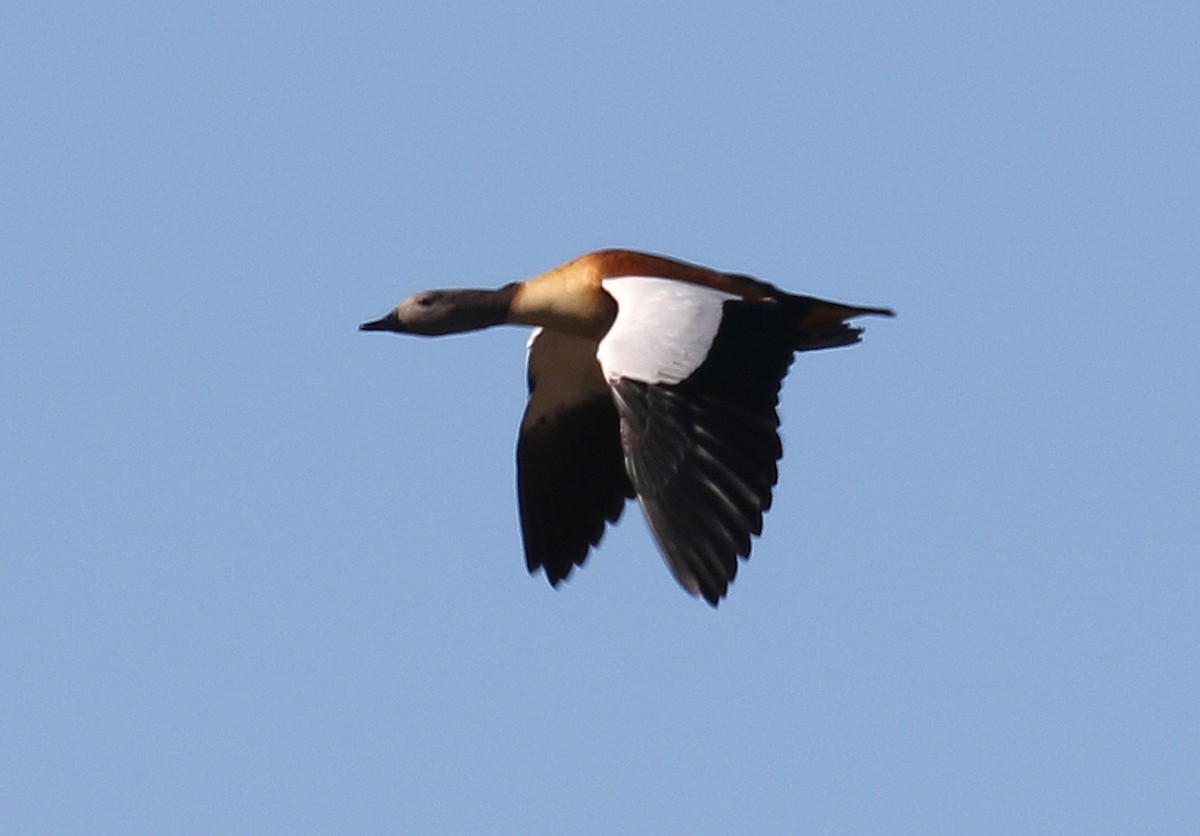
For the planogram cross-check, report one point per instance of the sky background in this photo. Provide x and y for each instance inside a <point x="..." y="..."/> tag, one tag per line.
<point x="262" y="573"/>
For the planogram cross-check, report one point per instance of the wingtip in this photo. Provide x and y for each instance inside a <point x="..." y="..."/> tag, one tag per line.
<point x="693" y="586"/>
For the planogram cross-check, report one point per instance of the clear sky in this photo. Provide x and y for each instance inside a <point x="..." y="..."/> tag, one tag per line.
<point x="262" y="573"/>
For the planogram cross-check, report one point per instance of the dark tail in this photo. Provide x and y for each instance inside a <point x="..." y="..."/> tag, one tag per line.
<point x="823" y="324"/>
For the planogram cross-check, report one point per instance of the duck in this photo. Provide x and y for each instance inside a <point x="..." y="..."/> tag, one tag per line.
<point x="649" y="378"/>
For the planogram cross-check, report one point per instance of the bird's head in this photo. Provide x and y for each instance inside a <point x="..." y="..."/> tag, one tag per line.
<point x="435" y="312"/>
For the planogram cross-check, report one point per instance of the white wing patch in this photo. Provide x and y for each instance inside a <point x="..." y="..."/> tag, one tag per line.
<point x="563" y="373"/>
<point x="663" y="328"/>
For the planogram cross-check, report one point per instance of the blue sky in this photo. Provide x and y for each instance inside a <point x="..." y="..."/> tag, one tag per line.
<point x="262" y="573"/>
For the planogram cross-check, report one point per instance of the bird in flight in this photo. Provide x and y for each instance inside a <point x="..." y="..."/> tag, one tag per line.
<point x="649" y="378"/>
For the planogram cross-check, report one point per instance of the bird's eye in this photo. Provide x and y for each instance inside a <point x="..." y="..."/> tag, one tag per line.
<point x="425" y="301"/>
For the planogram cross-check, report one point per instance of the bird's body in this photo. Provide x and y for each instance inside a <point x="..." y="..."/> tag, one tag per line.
<point x="649" y="378"/>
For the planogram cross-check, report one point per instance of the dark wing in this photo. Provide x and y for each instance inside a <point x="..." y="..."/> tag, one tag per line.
<point x="571" y="476"/>
<point x="702" y="452"/>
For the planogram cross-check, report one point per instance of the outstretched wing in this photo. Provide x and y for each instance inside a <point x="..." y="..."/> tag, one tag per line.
<point x="571" y="477"/>
<point x="695" y="373"/>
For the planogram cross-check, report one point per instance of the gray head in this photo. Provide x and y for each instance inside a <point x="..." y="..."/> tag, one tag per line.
<point x="436" y="312"/>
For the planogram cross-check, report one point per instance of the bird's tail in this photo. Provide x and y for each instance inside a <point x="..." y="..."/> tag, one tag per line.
<point x="823" y="324"/>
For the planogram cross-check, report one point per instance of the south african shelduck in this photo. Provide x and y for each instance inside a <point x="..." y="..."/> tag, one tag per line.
<point x="649" y="378"/>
